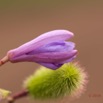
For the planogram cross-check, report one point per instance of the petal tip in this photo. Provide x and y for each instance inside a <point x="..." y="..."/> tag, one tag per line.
<point x="70" y="34"/>
<point x="75" y="51"/>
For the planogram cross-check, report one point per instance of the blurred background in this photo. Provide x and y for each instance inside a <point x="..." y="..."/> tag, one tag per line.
<point x="23" y="20"/>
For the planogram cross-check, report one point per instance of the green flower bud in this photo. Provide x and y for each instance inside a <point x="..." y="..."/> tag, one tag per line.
<point x="68" y="80"/>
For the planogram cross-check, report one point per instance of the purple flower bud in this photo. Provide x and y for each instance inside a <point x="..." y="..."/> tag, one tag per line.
<point x="49" y="49"/>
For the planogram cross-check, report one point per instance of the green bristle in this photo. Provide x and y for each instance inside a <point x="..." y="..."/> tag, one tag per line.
<point x="50" y="84"/>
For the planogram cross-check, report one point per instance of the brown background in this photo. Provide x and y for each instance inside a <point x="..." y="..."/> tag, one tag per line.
<point x="23" y="20"/>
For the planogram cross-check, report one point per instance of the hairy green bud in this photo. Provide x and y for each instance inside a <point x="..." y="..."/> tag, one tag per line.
<point x="51" y="84"/>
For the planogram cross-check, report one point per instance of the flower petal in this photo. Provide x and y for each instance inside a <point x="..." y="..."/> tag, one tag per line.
<point x="48" y="57"/>
<point x="55" y="35"/>
<point x="54" y="47"/>
<point x="68" y="60"/>
<point x="51" y="65"/>
<point x="57" y="65"/>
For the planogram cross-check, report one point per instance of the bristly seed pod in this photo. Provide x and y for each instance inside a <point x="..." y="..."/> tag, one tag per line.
<point x="68" y="80"/>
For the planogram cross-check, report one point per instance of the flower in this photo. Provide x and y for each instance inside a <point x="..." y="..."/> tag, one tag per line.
<point x="49" y="49"/>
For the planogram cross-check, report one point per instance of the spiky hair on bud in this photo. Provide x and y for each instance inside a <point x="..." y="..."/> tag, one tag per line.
<point x="53" y="84"/>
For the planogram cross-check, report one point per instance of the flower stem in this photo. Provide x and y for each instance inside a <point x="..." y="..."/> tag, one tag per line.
<point x="4" y="60"/>
<point x="16" y="96"/>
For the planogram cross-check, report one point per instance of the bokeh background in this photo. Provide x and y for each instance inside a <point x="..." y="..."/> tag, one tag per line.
<point x="23" y="20"/>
